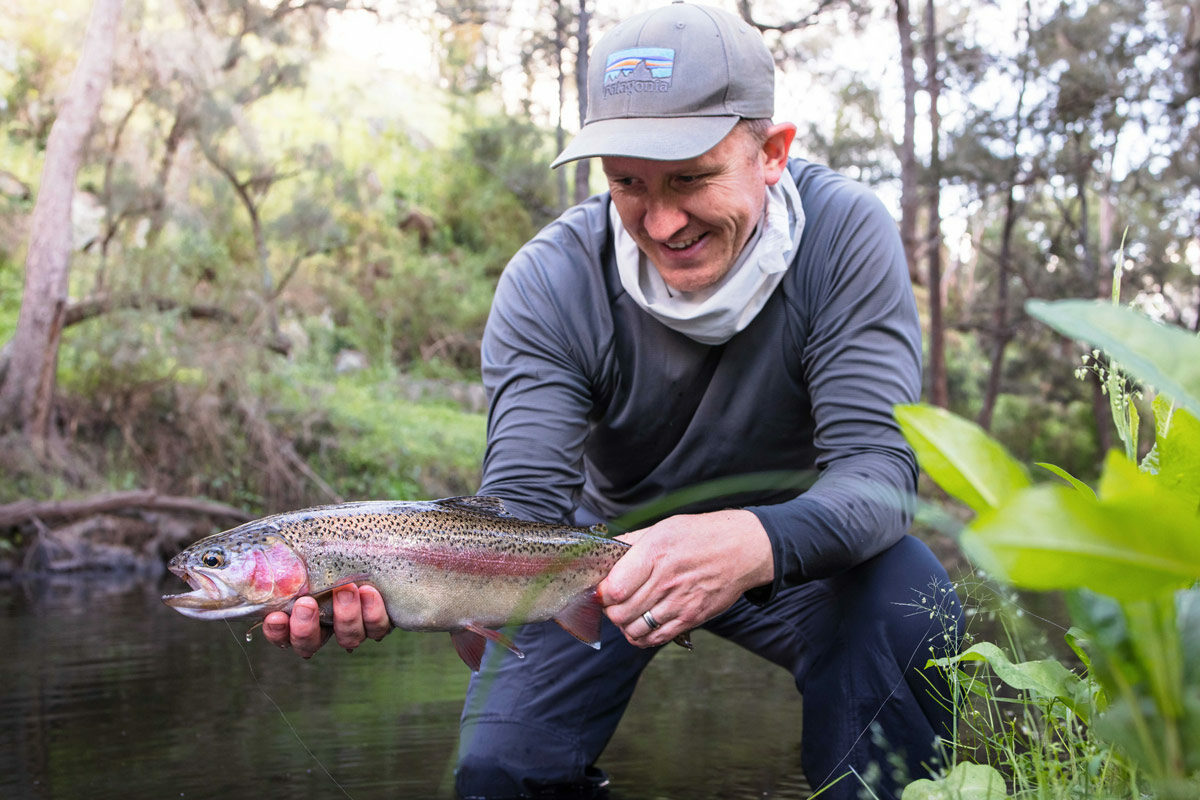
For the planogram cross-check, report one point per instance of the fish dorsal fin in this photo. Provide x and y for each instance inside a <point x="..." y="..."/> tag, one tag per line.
<point x="477" y="504"/>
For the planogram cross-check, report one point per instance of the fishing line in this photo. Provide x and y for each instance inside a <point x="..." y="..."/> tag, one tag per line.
<point x="283" y="716"/>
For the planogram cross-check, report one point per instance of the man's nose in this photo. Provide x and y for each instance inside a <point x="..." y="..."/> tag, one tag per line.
<point x="664" y="218"/>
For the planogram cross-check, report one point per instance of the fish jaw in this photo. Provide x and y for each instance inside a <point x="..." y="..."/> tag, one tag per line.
<point x="209" y="598"/>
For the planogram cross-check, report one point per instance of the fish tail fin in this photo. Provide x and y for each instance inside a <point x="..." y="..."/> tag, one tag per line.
<point x="581" y="618"/>
<point x="470" y="640"/>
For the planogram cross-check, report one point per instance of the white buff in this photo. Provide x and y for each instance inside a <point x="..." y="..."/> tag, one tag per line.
<point x="714" y="315"/>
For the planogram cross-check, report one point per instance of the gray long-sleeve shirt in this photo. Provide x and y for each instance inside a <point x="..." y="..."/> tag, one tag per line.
<point x="594" y="403"/>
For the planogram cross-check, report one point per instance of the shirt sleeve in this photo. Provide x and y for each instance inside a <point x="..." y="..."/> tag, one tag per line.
<point x="861" y="356"/>
<point x="536" y="367"/>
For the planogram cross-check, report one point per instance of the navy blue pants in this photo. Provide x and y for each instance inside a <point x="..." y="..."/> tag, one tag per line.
<point x="855" y="643"/>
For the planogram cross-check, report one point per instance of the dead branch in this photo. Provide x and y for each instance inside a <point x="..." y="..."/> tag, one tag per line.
<point x="22" y="511"/>
<point x="102" y="304"/>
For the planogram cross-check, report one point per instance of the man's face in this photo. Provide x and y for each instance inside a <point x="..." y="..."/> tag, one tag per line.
<point x="692" y="218"/>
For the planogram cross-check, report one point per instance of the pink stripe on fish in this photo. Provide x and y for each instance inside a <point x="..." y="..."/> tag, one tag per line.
<point x="475" y="562"/>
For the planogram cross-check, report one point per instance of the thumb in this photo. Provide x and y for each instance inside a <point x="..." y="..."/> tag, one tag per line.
<point x="630" y="572"/>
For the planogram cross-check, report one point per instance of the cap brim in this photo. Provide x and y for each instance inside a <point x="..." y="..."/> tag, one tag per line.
<point x="654" y="138"/>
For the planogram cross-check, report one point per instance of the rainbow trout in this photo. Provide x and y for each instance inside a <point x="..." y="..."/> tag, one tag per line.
<point x="462" y="564"/>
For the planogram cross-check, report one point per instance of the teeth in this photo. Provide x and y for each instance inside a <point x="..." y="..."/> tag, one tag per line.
<point x="682" y="245"/>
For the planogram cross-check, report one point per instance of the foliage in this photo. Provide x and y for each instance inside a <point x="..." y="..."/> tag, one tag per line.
<point x="1127" y="552"/>
<point x="361" y="431"/>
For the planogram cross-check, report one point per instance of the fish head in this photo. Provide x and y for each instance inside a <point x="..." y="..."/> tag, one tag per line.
<point x="238" y="573"/>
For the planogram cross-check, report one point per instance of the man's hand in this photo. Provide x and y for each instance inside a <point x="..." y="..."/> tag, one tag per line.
<point x="684" y="571"/>
<point x="358" y="614"/>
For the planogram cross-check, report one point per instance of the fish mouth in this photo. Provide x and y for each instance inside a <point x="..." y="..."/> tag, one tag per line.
<point x="207" y="598"/>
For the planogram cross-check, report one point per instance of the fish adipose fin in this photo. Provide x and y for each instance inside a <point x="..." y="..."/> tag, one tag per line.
<point x="581" y="618"/>
<point x="470" y="640"/>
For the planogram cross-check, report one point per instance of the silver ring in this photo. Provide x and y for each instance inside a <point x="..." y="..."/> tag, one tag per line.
<point x="650" y="621"/>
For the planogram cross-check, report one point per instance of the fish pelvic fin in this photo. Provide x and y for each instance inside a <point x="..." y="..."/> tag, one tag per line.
<point x="470" y="640"/>
<point x="581" y="618"/>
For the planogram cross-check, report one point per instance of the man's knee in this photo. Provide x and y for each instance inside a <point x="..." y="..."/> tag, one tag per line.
<point x="904" y="595"/>
<point x="502" y="759"/>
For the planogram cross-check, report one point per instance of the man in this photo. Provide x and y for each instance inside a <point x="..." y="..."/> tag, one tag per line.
<point x="721" y="311"/>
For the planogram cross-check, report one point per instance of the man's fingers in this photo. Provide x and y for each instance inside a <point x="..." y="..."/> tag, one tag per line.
<point x="275" y="628"/>
<point x="375" y="618"/>
<point x="305" y="627"/>
<point x="348" y="617"/>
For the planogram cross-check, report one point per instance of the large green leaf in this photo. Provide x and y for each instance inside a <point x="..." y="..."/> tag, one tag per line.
<point x="966" y="781"/>
<point x="961" y="458"/>
<point x="1047" y="678"/>
<point x="1137" y="540"/>
<point x="1178" y="455"/>
<point x="1166" y="358"/>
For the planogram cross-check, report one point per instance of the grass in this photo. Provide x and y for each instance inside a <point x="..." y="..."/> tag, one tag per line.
<point x="1024" y="716"/>
<point x="376" y="444"/>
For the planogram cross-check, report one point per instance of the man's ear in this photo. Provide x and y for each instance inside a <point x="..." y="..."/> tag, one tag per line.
<point x="775" y="150"/>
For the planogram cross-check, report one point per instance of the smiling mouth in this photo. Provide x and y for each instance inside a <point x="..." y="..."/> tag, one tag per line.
<point x="684" y="245"/>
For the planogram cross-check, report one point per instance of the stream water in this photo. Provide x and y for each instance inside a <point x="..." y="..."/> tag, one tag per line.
<point x="106" y="693"/>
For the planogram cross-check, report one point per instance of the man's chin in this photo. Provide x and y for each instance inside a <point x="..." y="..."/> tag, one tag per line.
<point x="688" y="281"/>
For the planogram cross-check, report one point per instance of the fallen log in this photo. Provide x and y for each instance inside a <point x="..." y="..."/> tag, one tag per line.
<point x="22" y="511"/>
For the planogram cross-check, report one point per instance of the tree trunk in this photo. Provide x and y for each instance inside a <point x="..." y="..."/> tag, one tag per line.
<point x="583" y="43"/>
<point x="560" y="63"/>
<point x="1101" y="411"/>
<point x="158" y="207"/>
<point x="909" y="191"/>
<point x="1002" y="328"/>
<point x="1002" y="332"/>
<point x="27" y="393"/>
<point x="939" y="392"/>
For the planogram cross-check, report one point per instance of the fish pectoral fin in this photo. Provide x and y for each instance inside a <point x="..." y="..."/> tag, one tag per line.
<point x="319" y="591"/>
<point x="470" y="640"/>
<point x="684" y="640"/>
<point x="581" y="618"/>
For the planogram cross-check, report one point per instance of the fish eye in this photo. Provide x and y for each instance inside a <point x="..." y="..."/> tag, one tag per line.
<point x="213" y="559"/>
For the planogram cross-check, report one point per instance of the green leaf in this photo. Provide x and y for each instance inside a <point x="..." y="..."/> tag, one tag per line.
<point x="1068" y="477"/>
<point x="1077" y="638"/>
<point x="966" y="781"/>
<point x="961" y="458"/>
<point x="1046" y="679"/>
<point x="1137" y="540"/>
<point x="1177" y="448"/>
<point x="1164" y="357"/>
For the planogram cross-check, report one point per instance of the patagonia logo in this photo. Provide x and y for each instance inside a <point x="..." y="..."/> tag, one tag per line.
<point x="639" y="69"/>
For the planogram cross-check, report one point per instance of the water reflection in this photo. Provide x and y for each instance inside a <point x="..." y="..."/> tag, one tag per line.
<point x="106" y="693"/>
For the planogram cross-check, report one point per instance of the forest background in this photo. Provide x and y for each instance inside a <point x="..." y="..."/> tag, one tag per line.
<point x="247" y="249"/>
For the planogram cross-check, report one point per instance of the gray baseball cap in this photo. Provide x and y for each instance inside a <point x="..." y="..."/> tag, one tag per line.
<point x="670" y="84"/>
